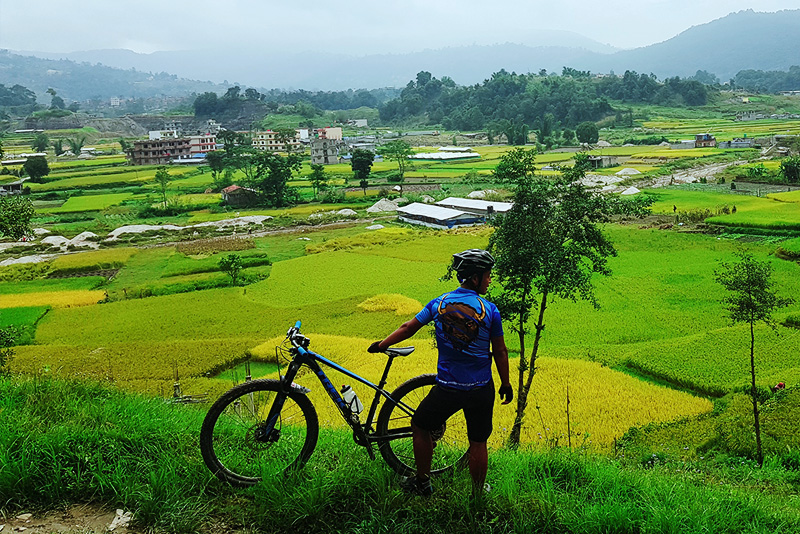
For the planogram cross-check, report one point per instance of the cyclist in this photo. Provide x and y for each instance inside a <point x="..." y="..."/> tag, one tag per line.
<point x="469" y="334"/>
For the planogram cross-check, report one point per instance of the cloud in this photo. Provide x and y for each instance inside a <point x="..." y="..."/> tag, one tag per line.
<point x="349" y="26"/>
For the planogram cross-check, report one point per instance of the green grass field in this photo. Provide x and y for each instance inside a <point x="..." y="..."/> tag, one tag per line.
<point x="89" y="203"/>
<point x="660" y="313"/>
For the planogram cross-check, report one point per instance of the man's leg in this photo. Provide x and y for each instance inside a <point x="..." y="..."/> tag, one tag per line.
<point x="478" y="464"/>
<point x="423" y="451"/>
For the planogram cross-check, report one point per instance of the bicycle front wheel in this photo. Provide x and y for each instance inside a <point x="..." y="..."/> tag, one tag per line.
<point x="451" y="444"/>
<point x="239" y="449"/>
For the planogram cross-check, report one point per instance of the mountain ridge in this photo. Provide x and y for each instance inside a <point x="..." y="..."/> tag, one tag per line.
<point x="739" y="41"/>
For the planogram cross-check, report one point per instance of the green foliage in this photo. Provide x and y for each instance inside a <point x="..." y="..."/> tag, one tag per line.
<point x="361" y="163"/>
<point x="40" y="142"/>
<point x="64" y="440"/>
<point x="76" y="143"/>
<point x="36" y="167"/>
<point x="399" y="152"/>
<point x="232" y="266"/>
<point x="58" y="146"/>
<point x="272" y="172"/>
<point x="16" y="213"/>
<point x="163" y="179"/>
<point x="318" y="178"/>
<point x="587" y="132"/>
<point x="790" y="169"/>
<point x="8" y="338"/>
<point x="751" y="298"/>
<point x="548" y="244"/>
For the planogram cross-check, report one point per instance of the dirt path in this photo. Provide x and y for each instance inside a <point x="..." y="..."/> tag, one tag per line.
<point x="688" y="176"/>
<point x="76" y="519"/>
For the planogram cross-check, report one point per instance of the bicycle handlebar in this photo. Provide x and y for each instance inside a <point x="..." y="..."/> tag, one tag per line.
<point x="295" y="338"/>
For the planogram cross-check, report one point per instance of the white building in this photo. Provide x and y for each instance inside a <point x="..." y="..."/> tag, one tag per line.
<point x="483" y="208"/>
<point x="268" y="140"/>
<point x="436" y="216"/>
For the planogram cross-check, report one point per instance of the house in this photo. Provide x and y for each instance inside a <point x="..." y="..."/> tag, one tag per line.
<point x="325" y="151"/>
<point x="202" y="144"/>
<point x="704" y="140"/>
<point x="603" y="162"/>
<point x="475" y="206"/>
<point x="12" y="188"/>
<point x="239" y="197"/>
<point x="158" y="151"/>
<point x="738" y="142"/>
<point x="329" y="133"/>
<point x="437" y="216"/>
<point x="270" y="141"/>
<point x="358" y="123"/>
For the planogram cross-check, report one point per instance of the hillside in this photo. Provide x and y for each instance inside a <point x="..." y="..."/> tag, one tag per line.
<point x="739" y="41"/>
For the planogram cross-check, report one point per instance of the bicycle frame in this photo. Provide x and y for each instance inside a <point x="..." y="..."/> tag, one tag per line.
<point x="363" y="432"/>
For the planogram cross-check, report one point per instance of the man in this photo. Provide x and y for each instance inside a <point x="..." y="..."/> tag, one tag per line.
<point x="469" y="334"/>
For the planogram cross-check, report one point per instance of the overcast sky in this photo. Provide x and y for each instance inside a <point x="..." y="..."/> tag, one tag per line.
<point x="357" y="27"/>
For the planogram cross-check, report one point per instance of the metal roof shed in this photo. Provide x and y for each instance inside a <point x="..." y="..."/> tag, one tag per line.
<point x="436" y="216"/>
<point x="474" y="205"/>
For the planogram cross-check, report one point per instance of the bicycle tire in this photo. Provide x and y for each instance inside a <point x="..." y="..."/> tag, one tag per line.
<point x="227" y="438"/>
<point x="451" y="445"/>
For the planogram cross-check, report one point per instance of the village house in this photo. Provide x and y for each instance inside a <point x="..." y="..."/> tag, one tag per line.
<point x="158" y="151"/>
<point x="239" y="197"/>
<point x="704" y="140"/>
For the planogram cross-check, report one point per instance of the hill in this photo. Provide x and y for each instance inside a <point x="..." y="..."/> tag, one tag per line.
<point x="739" y="41"/>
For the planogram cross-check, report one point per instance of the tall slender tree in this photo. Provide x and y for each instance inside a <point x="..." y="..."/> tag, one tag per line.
<point x="548" y="245"/>
<point x="751" y="299"/>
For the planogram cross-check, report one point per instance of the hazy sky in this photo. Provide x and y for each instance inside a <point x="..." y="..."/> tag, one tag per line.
<point x="351" y="26"/>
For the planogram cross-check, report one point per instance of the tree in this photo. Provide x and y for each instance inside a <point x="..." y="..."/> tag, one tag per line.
<point x="587" y="132"/>
<point x="36" y="167"/>
<point x="232" y="266"/>
<point x="76" y="144"/>
<point x="124" y="145"/>
<point x="58" y="146"/>
<point x="56" y="102"/>
<point x="272" y="172"/>
<point x="16" y="213"/>
<point x="361" y="163"/>
<point x="790" y="169"/>
<point x="163" y="179"/>
<point x="40" y="142"/>
<point x="398" y="151"/>
<point x="751" y="299"/>
<point x="216" y="162"/>
<point x="547" y="245"/>
<point x="364" y="184"/>
<point x="205" y="104"/>
<point x="318" y="178"/>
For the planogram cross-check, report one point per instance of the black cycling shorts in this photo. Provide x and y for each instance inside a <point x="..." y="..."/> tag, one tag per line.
<point x="441" y="403"/>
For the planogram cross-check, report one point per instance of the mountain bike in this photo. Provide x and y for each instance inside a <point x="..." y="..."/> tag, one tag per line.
<point x="266" y="427"/>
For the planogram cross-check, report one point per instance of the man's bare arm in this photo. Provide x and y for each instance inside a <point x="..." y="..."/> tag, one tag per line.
<point x="405" y="331"/>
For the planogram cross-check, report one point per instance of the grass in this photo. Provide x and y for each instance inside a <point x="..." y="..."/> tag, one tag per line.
<point x="89" y="203"/>
<point x="62" y="441"/>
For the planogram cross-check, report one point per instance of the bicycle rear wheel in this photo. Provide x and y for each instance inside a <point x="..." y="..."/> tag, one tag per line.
<point x="234" y="440"/>
<point x="451" y="444"/>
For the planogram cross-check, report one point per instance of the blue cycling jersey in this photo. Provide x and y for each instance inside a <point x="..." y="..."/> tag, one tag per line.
<point x="465" y="324"/>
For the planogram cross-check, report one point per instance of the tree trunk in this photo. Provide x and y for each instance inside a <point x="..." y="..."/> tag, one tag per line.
<point x="525" y="380"/>
<point x="754" y="397"/>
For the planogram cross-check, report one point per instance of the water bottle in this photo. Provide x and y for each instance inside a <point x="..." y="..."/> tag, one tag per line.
<point x="351" y="399"/>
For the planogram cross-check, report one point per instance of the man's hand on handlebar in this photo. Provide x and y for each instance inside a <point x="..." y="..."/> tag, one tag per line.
<point x="375" y="347"/>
